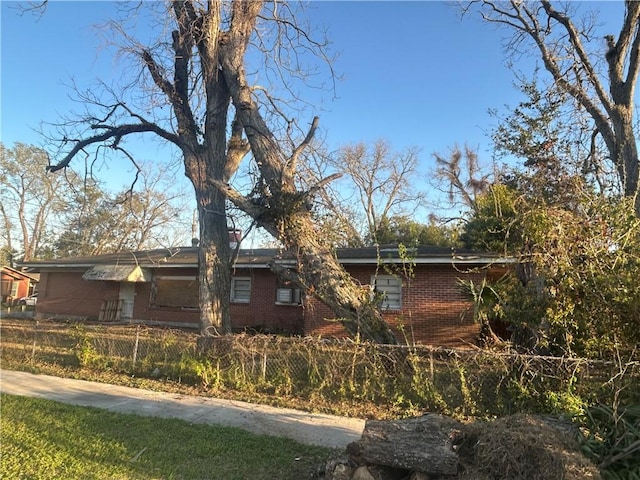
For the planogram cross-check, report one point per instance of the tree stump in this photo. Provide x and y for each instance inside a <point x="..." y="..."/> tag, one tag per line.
<point x="424" y="444"/>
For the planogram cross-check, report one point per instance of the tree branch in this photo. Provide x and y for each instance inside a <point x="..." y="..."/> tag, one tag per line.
<point x="238" y="148"/>
<point x="292" y="163"/>
<point x="617" y="54"/>
<point x="574" y="39"/>
<point x="116" y="133"/>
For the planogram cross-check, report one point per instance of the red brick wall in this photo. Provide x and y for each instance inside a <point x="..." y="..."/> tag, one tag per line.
<point x="262" y="313"/>
<point x="431" y="308"/>
<point x="431" y="304"/>
<point x="67" y="294"/>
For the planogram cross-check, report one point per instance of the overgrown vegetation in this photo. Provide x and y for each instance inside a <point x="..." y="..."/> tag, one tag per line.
<point x="347" y="378"/>
<point x="42" y="439"/>
<point x="611" y="437"/>
<point x="574" y="291"/>
<point x="360" y="378"/>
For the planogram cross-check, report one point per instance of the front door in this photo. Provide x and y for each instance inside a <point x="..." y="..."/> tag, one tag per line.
<point x="127" y="297"/>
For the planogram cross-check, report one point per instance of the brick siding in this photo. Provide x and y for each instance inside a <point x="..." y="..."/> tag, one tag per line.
<point x="432" y="308"/>
<point x="67" y="294"/>
<point x="262" y="313"/>
<point x="432" y="304"/>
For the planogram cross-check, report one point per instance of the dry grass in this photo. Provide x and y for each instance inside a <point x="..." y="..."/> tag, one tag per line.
<point x="523" y="447"/>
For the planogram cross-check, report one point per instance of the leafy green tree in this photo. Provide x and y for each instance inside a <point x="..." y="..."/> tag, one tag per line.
<point x="495" y="224"/>
<point x="557" y="164"/>
<point x="6" y="256"/>
<point x="402" y="229"/>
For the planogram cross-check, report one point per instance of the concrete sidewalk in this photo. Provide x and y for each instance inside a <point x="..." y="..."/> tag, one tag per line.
<point x="311" y="429"/>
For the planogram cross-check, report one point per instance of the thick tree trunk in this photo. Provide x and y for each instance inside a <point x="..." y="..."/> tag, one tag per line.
<point x="422" y="444"/>
<point x="283" y="209"/>
<point x="214" y="266"/>
<point x="320" y="274"/>
<point x="206" y="160"/>
<point x="625" y="153"/>
<point x="214" y="253"/>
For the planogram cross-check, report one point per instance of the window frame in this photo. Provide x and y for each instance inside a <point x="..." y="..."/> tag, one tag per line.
<point x="235" y="298"/>
<point x="388" y="303"/>
<point x="294" y="293"/>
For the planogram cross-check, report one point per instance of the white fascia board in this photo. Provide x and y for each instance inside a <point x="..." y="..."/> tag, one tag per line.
<point x="56" y="266"/>
<point x="250" y="265"/>
<point x="429" y="261"/>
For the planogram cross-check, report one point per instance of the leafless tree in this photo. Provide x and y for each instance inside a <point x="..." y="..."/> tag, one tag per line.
<point x="599" y="74"/>
<point x="334" y="207"/>
<point x="217" y="116"/>
<point x="28" y="197"/>
<point x="385" y="181"/>
<point x="375" y="184"/>
<point x="149" y="215"/>
<point x="461" y="176"/>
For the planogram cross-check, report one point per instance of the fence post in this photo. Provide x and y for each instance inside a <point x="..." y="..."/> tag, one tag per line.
<point x="431" y="363"/>
<point x="35" y="337"/>
<point x="135" y="346"/>
<point x="264" y="365"/>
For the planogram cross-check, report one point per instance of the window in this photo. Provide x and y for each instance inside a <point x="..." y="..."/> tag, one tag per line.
<point x="240" y="289"/>
<point x="390" y="288"/>
<point x="288" y="296"/>
<point x="14" y="288"/>
<point x="180" y="292"/>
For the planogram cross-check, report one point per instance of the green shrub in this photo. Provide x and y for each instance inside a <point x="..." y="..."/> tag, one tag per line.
<point x="611" y="438"/>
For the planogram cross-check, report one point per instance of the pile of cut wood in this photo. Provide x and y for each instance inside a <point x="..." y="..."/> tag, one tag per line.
<point x="435" y="446"/>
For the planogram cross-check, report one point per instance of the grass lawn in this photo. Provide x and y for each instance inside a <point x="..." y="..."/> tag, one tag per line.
<point x="43" y="439"/>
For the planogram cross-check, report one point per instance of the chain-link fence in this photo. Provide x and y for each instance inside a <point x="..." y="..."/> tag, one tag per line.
<point x="401" y="379"/>
<point x="125" y="348"/>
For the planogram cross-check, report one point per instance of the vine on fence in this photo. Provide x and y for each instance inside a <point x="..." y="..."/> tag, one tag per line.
<point x="403" y="380"/>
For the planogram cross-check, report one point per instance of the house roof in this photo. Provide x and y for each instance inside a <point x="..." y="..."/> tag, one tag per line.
<point x="187" y="257"/>
<point x="12" y="272"/>
<point x="419" y="255"/>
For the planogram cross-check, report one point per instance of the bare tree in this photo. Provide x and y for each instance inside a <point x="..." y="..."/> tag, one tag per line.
<point x="334" y="208"/>
<point x="28" y="197"/>
<point x="153" y="210"/>
<point x="203" y="78"/>
<point x="462" y="177"/>
<point x="600" y="80"/>
<point x="384" y="181"/>
<point x="376" y="183"/>
<point x="147" y="215"/>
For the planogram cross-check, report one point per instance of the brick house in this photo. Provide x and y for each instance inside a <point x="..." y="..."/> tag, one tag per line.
<point x="15" y="284"/>
<point x="421" y="298"/>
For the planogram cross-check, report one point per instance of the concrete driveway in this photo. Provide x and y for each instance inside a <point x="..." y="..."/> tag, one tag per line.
<point x="311" y="429"/>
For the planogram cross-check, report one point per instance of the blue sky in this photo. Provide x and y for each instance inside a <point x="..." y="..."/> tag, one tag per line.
<point x="414" y="74"/>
